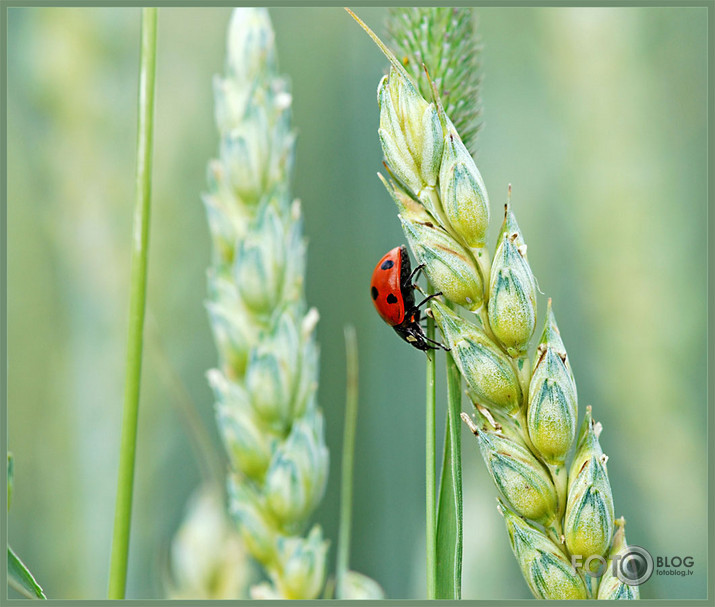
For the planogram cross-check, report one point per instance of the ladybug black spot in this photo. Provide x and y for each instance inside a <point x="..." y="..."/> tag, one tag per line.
<point x="387" y="264"/>
<point x="373" y="291"/>
<point x="391" y="299"/>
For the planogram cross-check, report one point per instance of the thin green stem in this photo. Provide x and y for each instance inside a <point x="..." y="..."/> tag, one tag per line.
<point x="430" y="469"/>
<point x="137" y="306"/>
<point x="346" y="489"/>
<point x="454" y="398"/>
<point x="449" y="513"/>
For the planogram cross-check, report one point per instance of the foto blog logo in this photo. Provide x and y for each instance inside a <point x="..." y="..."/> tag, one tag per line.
<point x="633" y="567"/>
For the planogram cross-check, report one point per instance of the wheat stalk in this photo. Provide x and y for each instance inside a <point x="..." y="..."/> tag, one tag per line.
<point x="137" y="306"/>
<point x="265" y="386"/>
<point x="525" y="414"/>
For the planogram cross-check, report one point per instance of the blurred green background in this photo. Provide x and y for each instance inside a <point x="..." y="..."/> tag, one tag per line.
<point x="596" y="116"/>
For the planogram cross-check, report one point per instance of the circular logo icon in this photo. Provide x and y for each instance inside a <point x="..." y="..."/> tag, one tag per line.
<point x="635" y="566"/>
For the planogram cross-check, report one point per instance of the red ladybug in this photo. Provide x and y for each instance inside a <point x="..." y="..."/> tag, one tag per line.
<point x="392" y="293"/>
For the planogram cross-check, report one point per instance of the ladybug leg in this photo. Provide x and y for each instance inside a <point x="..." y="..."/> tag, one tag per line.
<point x="426" y="299"/>
<point x="417" y="335"/>
<point x="414" y="273"/>
<point x="437" y="344"/>
<point x="411" y="311"/>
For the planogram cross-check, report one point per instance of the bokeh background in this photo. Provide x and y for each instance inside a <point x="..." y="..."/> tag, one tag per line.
<point x="596" y="116"/>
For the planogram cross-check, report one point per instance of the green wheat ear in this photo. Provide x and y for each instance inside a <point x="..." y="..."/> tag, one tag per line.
<point x="445" y="40"/>
<point x="265" y="386"/>
<point x="526" y="415"/>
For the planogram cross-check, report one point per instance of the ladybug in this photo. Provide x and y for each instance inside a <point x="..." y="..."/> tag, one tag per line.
<point x="392" y="292"/>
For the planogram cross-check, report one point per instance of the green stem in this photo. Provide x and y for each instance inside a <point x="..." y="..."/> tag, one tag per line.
<point x="137" y="306"/>
<point x="346" y="489"/>
<point x="430" y="470"/>
<point x="454" y="399"/>
<point x="449" y="512"/>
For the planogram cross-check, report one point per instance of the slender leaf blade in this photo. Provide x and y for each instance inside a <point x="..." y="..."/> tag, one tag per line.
<point x="20" y="578"/>
<point x="449" y="512"/>
<point x="430" y="465"/>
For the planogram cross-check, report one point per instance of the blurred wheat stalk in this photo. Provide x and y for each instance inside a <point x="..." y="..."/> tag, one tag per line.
<point x="266" y="382"/>
<point x="526" y="413"/>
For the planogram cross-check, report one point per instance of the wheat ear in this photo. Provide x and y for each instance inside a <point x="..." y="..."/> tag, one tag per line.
<point x="525" y="414"/>
<point x="265" y="386"/>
